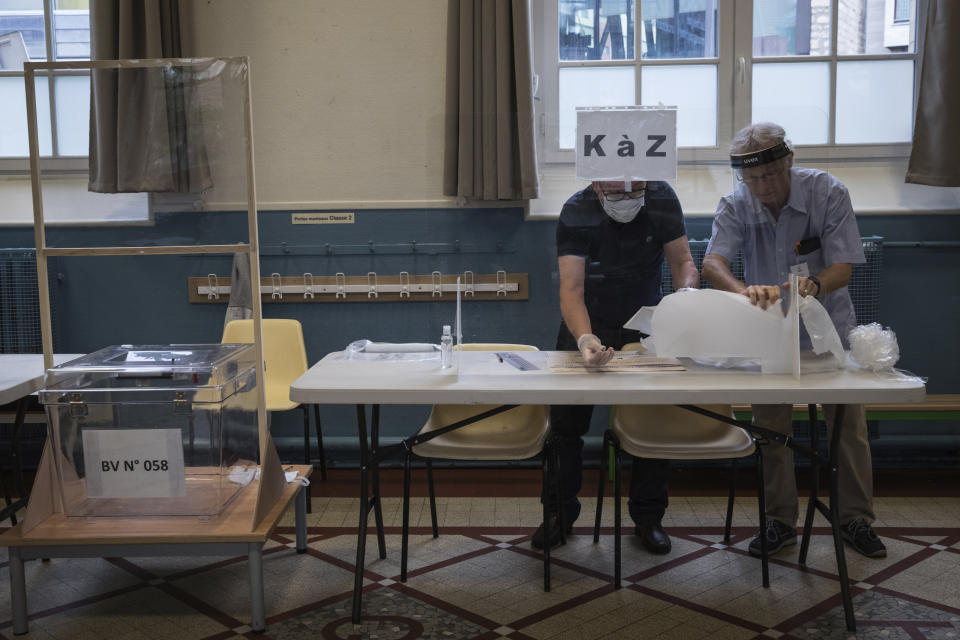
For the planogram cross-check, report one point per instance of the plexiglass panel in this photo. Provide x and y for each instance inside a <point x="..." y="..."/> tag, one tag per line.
<point x="591" y="87"/>
<point x="791" y="28"/>
<point x="596" y="30"/>
<point x="685" y="29"/>
<point x="693" y="89"/>
<point x="871" y="27"/>
<point x="795" y="95"/>
<point x="874" y="101"/>
<point x="73" y="123"/>
<point x="13" y="118"/>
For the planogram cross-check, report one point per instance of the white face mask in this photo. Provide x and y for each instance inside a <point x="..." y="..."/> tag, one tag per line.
<point x="623" y="211"/>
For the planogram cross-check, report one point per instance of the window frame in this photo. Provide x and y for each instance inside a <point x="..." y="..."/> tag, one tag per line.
<point x="55" y="162"/>
<point x="734" y="84"/>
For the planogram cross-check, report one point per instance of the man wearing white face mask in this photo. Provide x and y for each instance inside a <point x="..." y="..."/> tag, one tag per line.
<point x="612" y="238"/>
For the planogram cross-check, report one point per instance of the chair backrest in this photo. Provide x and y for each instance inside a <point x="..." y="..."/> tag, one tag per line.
<point x="495" y="346"/>
<point x="284" y="354"/>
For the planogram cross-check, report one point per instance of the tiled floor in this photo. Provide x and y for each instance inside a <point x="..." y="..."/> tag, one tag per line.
<point x="481" y="579"/>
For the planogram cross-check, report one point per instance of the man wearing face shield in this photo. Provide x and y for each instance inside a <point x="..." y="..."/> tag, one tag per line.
<point x="612" y="238"/>
<point x="790" y="219"/>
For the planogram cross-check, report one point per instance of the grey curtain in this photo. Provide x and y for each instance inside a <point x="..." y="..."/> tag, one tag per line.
<point x="490" y="151"/>
<point x="145" y="130"/>
<point x="936" y="132"/>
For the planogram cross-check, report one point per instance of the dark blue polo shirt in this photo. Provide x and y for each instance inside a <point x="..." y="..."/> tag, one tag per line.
<point x="623" y="260"/>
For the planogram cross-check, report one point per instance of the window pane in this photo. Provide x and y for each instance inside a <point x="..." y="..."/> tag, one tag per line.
<point x="71" y="31"/>
<point x="795" y="95"/>
<point x="871" y="26"/>
<point x="684" y="29"/>
<point x="596" y="29"/>
<point x="13" y="118"/>
<point x="693" y="89"/>
<point x="25" y="16"/>
<point x="73" y="114"/>
<point x="591" y="87"/>
<point x="874" y="101"/>
<point x="791" y="27"/>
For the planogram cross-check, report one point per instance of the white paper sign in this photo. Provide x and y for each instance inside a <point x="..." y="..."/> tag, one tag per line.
<point x="628" y="143"/>
<point x="134" y="463"/>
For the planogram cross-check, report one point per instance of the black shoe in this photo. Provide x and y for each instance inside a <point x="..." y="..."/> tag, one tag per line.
<point x="778" y="535"/>
<point x="653" y="537"/>
<point x="555" y="537"/>
<point x="865" y="541"/>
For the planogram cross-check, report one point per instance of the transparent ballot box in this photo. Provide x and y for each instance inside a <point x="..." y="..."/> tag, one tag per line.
<point x="154" y="430"/>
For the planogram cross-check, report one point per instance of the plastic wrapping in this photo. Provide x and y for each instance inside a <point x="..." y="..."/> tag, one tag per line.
<point x="407" y="351"/>
<point x="823" y="334"/>
<point x="874" y="347"/>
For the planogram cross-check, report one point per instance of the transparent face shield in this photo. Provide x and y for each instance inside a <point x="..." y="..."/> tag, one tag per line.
<point x="757" y="166"/>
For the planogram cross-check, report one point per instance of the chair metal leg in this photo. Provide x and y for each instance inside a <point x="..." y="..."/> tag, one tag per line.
<point x="306" y="434"/>
<point x="730" y="497"/>
<point x="406" y="517"/>
<point x="323" y="457"/>
<point x="558" y="502"/>
<point x="546" y="471"/>
<point x="762" y="502"/>
<point x="814" y="482"/>
<point x="433" y="500"/>
<point x="603" y="471"/>
<point x="306" y="449"/>
<point x="616" y="515"/>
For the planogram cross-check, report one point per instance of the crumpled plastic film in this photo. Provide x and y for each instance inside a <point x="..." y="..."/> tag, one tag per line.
<point x="874" y="347"/>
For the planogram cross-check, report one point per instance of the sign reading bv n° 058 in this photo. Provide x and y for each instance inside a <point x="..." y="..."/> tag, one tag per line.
<point x="627" y="143"/>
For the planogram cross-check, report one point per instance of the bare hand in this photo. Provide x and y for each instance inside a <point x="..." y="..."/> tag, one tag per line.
<point x="763" y="295"/>
<point x="805" y="287"/>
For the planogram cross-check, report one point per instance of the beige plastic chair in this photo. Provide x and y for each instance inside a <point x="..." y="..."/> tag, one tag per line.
<point x="669" y="432"/>
<point x="285" y="360"/>
<point x="517" y="434"/>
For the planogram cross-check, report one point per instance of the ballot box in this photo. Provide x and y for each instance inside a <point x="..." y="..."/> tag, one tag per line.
<point x="155" y="430"/>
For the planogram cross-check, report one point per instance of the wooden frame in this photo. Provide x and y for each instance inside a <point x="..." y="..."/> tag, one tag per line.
<point x="45" y="499"/>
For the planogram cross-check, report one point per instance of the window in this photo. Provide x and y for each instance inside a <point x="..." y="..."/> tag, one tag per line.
<point x="837" y="74"/>
<point x="44" y="30"/>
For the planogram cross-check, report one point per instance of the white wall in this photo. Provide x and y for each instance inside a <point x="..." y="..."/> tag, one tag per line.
<point x="348" y="97"/>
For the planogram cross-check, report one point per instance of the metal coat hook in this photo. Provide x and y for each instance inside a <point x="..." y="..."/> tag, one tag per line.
<point x="501" y="283"/>
<point x="341" y="280"/>
<point x="437" y="278"/>
<point x="370" y="244"/>
<point x="404" y="285"/>
<point x="468" y="284"/>
<point x="372" y="284"/>
<point x="276" y="286"/>
<point x="308" y="286"/>
<point x="214" y="293"/>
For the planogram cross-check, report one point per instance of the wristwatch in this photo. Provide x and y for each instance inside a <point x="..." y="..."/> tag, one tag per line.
<point x="815" y="280"/>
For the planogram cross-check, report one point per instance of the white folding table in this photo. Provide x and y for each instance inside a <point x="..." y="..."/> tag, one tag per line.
<point x="483" y="378"/>
<point x="21" y="374"/>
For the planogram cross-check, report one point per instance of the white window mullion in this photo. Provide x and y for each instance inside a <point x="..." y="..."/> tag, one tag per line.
<point x="834" y="43"/>
<point x="51" y="89"/>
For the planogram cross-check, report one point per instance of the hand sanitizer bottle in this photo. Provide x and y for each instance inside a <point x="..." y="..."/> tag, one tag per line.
<point x="446" y="348"/>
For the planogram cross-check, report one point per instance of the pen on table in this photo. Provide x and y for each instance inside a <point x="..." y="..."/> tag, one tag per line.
<point x="500" y="358"/>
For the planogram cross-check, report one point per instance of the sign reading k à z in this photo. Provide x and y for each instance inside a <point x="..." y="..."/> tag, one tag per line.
<point x="627" y="143"/>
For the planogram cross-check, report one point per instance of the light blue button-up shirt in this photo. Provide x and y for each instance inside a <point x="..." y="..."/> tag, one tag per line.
<point x="818" y="207"/>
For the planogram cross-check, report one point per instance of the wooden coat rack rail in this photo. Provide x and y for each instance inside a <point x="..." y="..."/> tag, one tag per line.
<point x="434" y="287"/>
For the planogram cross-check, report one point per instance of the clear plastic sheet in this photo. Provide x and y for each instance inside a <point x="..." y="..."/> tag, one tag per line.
<point x="823" y="335"/>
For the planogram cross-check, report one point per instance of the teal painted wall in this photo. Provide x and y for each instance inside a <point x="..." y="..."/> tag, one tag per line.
<point x="113" y="300"/>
